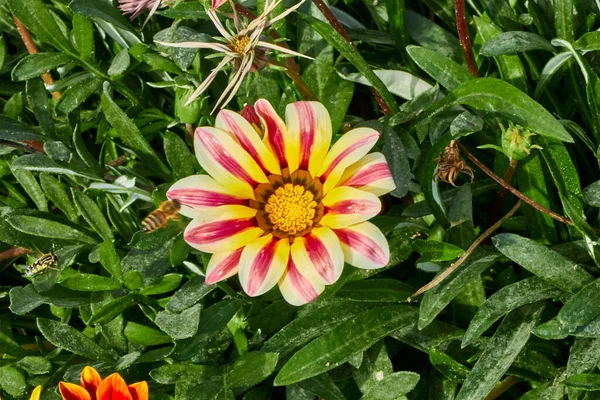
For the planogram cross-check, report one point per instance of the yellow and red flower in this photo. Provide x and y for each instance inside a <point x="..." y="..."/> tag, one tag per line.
<point x="93" y="387"/>
<point x="280" y="205"/>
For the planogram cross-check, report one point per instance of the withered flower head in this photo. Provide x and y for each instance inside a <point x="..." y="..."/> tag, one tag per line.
<point x="451" y="164"/>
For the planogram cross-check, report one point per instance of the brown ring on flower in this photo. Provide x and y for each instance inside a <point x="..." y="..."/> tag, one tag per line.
<point x="289" y="206"/>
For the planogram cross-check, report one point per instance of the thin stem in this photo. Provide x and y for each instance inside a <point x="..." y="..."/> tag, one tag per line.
<point x="438" y="279"/>
<point x="32" y="49"/>
<point x="511" y="189"/>
<point x="510" y="171"/>
<point x="302" y="86"/>
<point x="12" y="253"/>
<point x="30" y="146"/>
<point x="336" y="24"/>
<point x="463" y="37"/>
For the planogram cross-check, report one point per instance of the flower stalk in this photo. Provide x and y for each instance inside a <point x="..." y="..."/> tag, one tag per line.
<point x="463" y="37"/>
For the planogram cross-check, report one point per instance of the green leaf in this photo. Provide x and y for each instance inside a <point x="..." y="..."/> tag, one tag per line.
<point x="9" y="346"/>
<point x="40" y="105"/>
<point x="35" y="365"/>
<point x="144" y="335"/>
<point x="76" y="94"/>
<point x="47" y="228"/>
<point x="508" y="298"/>
<point x="12" y="381"/>
<point x="393" y="149"/>
<point x="378" y="290"/>
<point x="494" y="95"/>
<point x="120" y="63"/>
<point x="448" y="366"/>
<point x="321" y="386"/>
<point x="102" y="10"/>
<point x="514" y="42"/>
<point x="35" y="65"/>
<point x="442" y="69"/>
<point x="163" y="284"/>
<point x="352" y="55"/>
<point x="436" y="251"/>
<point x="543" y="262"/>
<point x="584" y="381"/>
<point x="92" y="214"/>
<point x="393" y="386"/>
<point x="57" y="193"/>
<point x="75" y="280"/>
<point x="550" y="69"/>
<point x="113" y="309"/>
<point x="179" y="156"/>
<point x="83" y="36"/>
<point x="41" y="163"/>
<point x="438" y="297"/>
<point x="179" y="326"/>
<point x="332" y="349"/>
<point x="35" y="15"/>
<point x="16" y="131"/>
<point x="506" y="344"/>
<point x="400" y="83"/>
<point x="32" y="188"/>
<point x="581" y="308"/>
<point x="189" y="294"/>
<point x="432" y="36"/>
<point x="131" y="136"/>
<point x="584" y="355"/>
<point x="429" y="184"/>
<point x="250" y="369"/>
<point x="66" y="337"/>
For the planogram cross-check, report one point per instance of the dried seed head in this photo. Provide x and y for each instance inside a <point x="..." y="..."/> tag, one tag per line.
<point x="451" y="164"/>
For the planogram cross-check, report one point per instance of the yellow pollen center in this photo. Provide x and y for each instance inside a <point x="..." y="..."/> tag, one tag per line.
<point x="291" y="208"/>
<point x="239" y="43"/>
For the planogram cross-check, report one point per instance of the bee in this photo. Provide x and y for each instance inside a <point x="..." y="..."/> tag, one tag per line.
<point x="160" y="217"/>
<point x="42" y="264"/>
<point x="451" y="164"/>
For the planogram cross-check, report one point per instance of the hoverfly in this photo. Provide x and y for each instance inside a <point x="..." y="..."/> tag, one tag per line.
<point x="159" y="218"/>
<point x="42" y="264"/>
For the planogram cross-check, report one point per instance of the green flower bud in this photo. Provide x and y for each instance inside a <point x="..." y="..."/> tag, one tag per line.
<point x="516" y="142"/>
<point x="188" y="114"/>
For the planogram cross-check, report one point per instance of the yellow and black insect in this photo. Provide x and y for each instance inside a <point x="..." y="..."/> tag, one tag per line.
<point x="42" y="264"/>
<point x="159" y="218"/>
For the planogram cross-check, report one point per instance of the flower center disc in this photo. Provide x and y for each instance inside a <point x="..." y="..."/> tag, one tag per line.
<point x="289" y="206"/>
<point x="239" y="43"/>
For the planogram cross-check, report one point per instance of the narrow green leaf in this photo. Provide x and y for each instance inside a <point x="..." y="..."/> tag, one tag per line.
<point x="378" y="290"/>
<point x="169" y="374"/>
<point x="550" y="69"/>
<point x="582" y="307"/>
<point x="16" y="131"/>
<point x="506" y="344"/>
<point x="494" y="95"/>
<point x="250" y="369"/>
<point x="189" y="294"/>
<point x="83" y="36"/>
<point x="40" y="105"/>
<point x="180" y="158"/>
<point x="510" y="297"/>
<point x="179" y="326"/>
<point x="442" y="69"/>
<point x="144" y="335"/>
<point x="429" y="183"/>
<point x="330" y="350"/>
<point x="35" y="65"/>
<point x="584" y="355"/>
<point x="352" y="55"/>
<point x="12" y="381"/>
<point x="32" y="188"/>
<point x="584" y="381"/>
<point x="514" y="42"/>
<point x="74" y="280"/>
<point x="92" y="214"/>
<point x="66" y="337"/>
<point x="321" y="386"/>
<point x="543" y="262"/>
<point x="432" y="36"/>
<point x="112" y="309"/>
<point x="110" y="259"/>
<point x="57" y="193"/>
<point x="76" y="94"/>
<point x="400" y="83"/>
<point x="564" y="20"/>
<point x="47" y="228"/>
<point x="448" y="366"/>
<point x="41" y="163"/>
<point x="102" y="10"/>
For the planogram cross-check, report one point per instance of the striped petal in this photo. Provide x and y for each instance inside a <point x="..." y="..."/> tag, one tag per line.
<point x="222" y="266"/>
<point x="351" y="147"/>
<point x="262" y="264"/>
<point x="227" y="162"/>
<point x="113" y="388"/>
<point x="318" y="256"/>
<point x="201" y="192"/>
<point x="217" y="3"/>
<point x="70" y="391"/>
<point x="275" y="130"/>
<point x="296" y="289"/>
<point x="36" y="393"/>
<point x="247" y="137"/>
<point x="345" y="206"/>
<point x="364" y="246"/>
<point x="371" y="173"/>
<point x="90" y="380"/>
<point x="139" y="391"/>
<point x="223" y="229"/>
<point x="309" y="135"/>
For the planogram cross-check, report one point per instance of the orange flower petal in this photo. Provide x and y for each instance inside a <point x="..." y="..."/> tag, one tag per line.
<point x="90" y="380"/>
<point x="139" y="391"/>
<point x="70" y="391"/>
<point x="35" y="395"/>
<point x="113" y="388"/>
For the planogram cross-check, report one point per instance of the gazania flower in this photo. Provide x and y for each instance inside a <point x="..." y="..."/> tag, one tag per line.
<point x="241" y="47"/>
<point x="37" y="392"/>
<point x="92" y="387"/>
<point x="280" y="206"/>
<point x="137" y="7"/>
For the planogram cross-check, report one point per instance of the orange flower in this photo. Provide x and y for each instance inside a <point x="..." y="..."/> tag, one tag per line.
<point x="35" y="395"/>
<point x="94" y="388"/>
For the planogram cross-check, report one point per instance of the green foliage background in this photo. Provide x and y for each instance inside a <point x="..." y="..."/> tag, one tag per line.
<point x="519" y="319"/>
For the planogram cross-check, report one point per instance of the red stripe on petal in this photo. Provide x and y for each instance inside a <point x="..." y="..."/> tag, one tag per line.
<point x="354" y="207"/>
<point x="319" y="256"/>
<point x="243" y="139"/>
<point x="272" y="130"/>
<point x="308" y="129"/>
<point x="302" y="285"/>
<point x="139" y="391"/>
<point x="90" y="380"/>
<point x="218" y="230"/>
<point x="70" y="391"/>
<point x="222" y="156"/>
<point x="363" y="245"/>
<point x="113" y="388"/>
<point x="224" y="268"/>
<point x="204" y="198"/>
<point x="346" y="152"/>
<point x="260" y="267"/>
<point x="369" y="175"/>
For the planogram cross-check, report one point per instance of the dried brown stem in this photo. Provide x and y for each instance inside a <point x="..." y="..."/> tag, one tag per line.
<point x="438" y="279"/>
<point x="510" y="171"/>
<point x="32" y="49"/>
<point x="463" y="37"/>
<point x="511" y="189"/>
<point x="336" y="24"/>
<point x="12" y="253"/>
